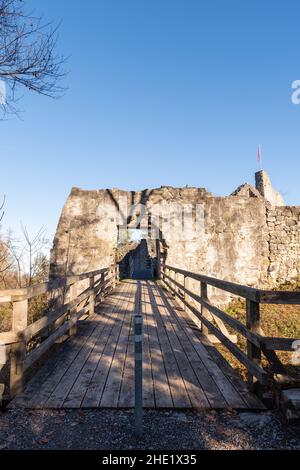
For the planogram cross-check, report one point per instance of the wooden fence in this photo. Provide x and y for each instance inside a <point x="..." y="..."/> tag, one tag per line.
<point x="71" y="298"/>
<point x="214" y="320"/>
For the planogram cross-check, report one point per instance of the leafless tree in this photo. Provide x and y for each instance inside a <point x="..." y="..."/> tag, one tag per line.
<point x="22" y="262"/>
<point x="28" y="57"/>
<point x="34" y="247"/>
<point x="6" y="261"/>
<point x="17" y="253"/>
<point x="41" y="268"/>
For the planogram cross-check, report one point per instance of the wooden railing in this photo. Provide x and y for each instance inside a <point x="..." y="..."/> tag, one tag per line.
<point x="214" y="320"/>
<point x="69" y="300"/>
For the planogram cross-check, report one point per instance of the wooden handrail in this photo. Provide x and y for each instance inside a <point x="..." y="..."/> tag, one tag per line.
<point x="250" y="293"/>
<point x="233" y="322"/>
<point x="240" y="355"/>
<point x="257" y="342"/>
<point x="59" y="321"/>
<point x="237" y="289"/>
<point x="26" y="293"/>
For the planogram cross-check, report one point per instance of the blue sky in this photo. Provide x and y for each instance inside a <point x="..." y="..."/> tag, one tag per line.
<point x="160" y="92"/>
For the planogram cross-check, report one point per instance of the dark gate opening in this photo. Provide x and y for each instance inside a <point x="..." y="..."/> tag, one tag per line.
<point x="138" y="257"/>
<point x="140" y="262"/>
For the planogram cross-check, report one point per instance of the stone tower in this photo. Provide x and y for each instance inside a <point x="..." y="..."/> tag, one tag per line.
<point x="264" y="186"/>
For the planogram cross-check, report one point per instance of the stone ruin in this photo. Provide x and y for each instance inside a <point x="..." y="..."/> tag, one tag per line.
<point x="249" y="237"/>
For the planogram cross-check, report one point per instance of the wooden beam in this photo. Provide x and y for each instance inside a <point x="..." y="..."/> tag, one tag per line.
<point x="275" y="363"/>
<point x="250" y="293"/>
<point x="11" y="295"/>
<point x="237" y="289"/>
<point x="73" y="311"/>
<point x="252" y="367"/>
<point x="253" y="351"/>
<point x="204" y="311"/>
<point x="9" y="337"/>
<point x="185" y="289"/>
<point x="279" y="297"/>
<point x="216" y="312"/>
<point x="18" y="352"/>
<point x="278" y="344"/>
<point x="51" y="317"/>
<point x="92" y="296"/>
<point x="234" y="323"/>
<point x="45" y="345"/>
<point x="44" y="322"/>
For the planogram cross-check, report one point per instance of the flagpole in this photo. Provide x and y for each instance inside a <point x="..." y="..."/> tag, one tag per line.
<point x="259" y="157"/>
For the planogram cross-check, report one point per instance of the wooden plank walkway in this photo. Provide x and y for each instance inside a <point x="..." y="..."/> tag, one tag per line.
<point x="95" y="368"/>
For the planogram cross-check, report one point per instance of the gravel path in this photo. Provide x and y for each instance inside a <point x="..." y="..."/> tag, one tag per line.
<point x="112" y="430"/>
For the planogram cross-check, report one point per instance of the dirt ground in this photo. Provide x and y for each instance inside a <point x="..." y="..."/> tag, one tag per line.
<point x="163" y="430"/>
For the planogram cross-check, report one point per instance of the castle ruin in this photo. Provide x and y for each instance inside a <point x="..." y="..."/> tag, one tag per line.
<point x="249" y="237"/>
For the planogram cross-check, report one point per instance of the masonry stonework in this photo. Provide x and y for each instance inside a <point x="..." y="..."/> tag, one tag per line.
<point x="243" y="239"/>
<point x="284" y="244"/>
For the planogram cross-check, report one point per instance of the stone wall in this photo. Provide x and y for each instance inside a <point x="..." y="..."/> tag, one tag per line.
<point x="242" y="239"/>
<point x="284" y="244"/>
<point x="231" y="245"/>
<point x="87" y="233"/>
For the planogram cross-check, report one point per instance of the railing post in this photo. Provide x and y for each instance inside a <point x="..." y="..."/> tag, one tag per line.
<point x="138" y="375"/>
<point x="176" y="288"/>
<point x="113" y="272"/>
<point x="173" y="285"/>
<point x="102" y="291"/>
<point x="73" y="312"/>
<point x="162" y="271"/>
<point x="158" y="257"/>
<point x="186" y="286"/>
<point x="18" y="353"/>
<point x="204" y="312"/>
<point x="165" y="273"/>
<point x="253" y="352"/>
<point x="92" y="296"/>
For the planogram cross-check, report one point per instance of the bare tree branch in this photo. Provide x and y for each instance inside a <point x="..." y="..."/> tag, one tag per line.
<point x="34" y="247"/>
<point x="28" y="55"/>
<point x="17" y="254"/>
<point x="22" y="262"/>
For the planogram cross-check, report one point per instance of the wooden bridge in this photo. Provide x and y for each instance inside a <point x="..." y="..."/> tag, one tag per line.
<point x="80" y="354"/>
